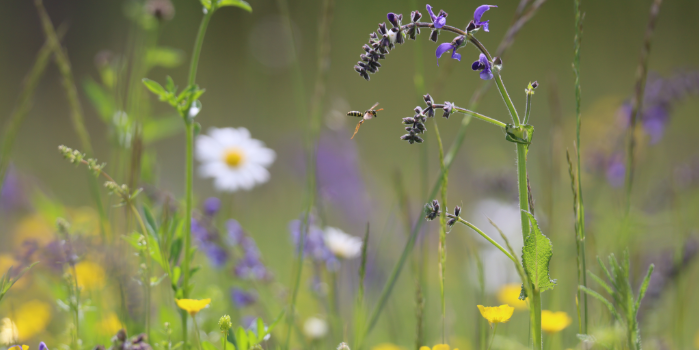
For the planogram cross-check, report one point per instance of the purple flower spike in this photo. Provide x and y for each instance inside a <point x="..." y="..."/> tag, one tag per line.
<point x="440" y="20"/>
<point x="454" y="45"/>
<point x="241" y="298"/>
<point x="484" y="66"/>
<point x="480" y="12"/>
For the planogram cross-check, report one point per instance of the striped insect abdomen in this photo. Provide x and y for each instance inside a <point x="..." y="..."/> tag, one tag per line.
<point x="355" y="114"/>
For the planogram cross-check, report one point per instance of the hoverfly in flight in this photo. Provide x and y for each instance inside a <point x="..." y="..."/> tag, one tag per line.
<point x="367" y="115"/>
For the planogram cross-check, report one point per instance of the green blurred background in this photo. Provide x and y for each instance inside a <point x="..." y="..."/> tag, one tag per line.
<point x="248" y="71"/>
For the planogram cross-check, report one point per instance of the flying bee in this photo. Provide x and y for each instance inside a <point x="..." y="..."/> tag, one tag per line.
<point x="367" y="115"/>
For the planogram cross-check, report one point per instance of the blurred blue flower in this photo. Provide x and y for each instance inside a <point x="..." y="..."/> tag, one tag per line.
<point x="211" y="206"/>
<point x="484" y="66"/>
<point x="615" y="170"/>
<point x="242" y="299"/>
<point x="480" y="12"/>
<point x="11" y="194"/>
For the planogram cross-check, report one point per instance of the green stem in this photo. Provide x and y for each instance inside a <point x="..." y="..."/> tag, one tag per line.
<point x="480" y="232"/>
<point x="493" y="335"/>
<point x="149" y="266"/>
<point x="196" y="332"/>
<point x="528" y="105"/>
<point x="442" y="248"/>
<point x="480" y="116"/>
<point x="189" y="164"/>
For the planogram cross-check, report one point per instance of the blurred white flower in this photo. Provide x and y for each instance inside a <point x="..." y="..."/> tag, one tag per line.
<point x="8" y="332"/>
<point x="234" y="159"/>
<point x="342" y="244"/>
<point x="498" y="269"/>
<point x="315" y="328"/>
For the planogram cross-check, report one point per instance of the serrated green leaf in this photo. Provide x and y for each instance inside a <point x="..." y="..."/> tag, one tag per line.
<point x="537" y="252"/>
<point x="154" y="86"/>
<point x="165" y="57"/>
<point x="236" y="3"/>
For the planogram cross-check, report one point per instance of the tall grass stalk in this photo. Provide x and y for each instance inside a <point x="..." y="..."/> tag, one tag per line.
<point x="71" y="90"/>
<point x="31" y="80"/>
<point x="637" y="103"/>
<point x="189" y="165"/>
<point x="580" y="221"/>
<point x="442" y="247"/>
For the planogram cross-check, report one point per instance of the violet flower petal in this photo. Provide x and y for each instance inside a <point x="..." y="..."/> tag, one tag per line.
<point x="480" y="12"/>
<point x="441" y="49"/>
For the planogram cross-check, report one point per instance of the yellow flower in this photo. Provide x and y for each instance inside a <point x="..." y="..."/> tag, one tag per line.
<point x="34" y="227"/>
<point x="18" y="347"/>
<point x="7" y="261"/>
<point x="110" y="324"/>
<point x="193" y="306"/>
<point x="387" y="346"/>
<point x="496" y="314"/>
<point x="90" y="275"/>
<point x="31" y="318"/>
<point x="509" y="294"/>
<point x="553" y="322"/>
<point x="437" y="347"/>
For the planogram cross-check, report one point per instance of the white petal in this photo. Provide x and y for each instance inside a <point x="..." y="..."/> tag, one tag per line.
<point x="207" y="148"/>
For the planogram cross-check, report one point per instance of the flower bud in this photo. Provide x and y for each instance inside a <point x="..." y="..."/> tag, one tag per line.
<point x="225" y="323"/>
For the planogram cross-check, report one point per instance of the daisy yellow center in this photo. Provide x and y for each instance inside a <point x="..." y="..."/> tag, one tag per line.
<point x="233" y="157"/>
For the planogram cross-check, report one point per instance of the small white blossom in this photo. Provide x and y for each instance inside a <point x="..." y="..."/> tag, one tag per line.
<point x="342" y="244"/>
<point x="315" y="328"/>
<point x="234" y="159"/>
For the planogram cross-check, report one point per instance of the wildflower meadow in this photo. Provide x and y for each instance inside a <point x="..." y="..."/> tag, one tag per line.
<point x="254" y="174"/>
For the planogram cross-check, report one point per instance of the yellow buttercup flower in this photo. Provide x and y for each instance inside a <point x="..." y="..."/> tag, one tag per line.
<point x="553" y="322"/>
<point x="437" y="347"/>
<point x="387" y="346"/>
<point x="18" y="347"/>
<point x="90" y="275"/>
<point x="110" y="324"/>
<point x="510" y="294"/>
<point x="192" y="306"/>
<point x="496" y="314"/>
<point x="31" y="318"/>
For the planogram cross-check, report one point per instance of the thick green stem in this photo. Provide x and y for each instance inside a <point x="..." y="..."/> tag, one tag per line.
<point x="189" y="164"/>
<point x="536" y="319"/>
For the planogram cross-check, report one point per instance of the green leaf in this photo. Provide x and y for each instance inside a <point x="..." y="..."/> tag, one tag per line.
<point x="236" y="3"/>
<point x="520" y="134"/>
<point x="133" y="240"/>
<point x="643" y="289"/>
<point x="150" y="221"/>
<point x="261" y="330"/>
<point x="165" y="57"/>
<point x="206" y="4"/>
<point x="241" y="339"/>
<point x="208" y="346"/>
<point x="154" y="86"/>
<point x="170" y="85"/>
<point x="537" y="252"/>
<point x="100" y="99"/>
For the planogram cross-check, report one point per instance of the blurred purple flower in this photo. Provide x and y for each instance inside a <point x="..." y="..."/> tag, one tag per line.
<point x="440" y="20"/>
<point x="338" y="176"/>
<point x="211" y="206"/>
<point x="207" y="239"/>
<point x="314" y="245"/>
<point x="11" y="194"/>
<point x="250" y="265"/>
<point x="484" y="66"/>
<point x="615" y="171"/>
<point x="242" y="298"/>
<point x="235" y="233"/>
<point x="480" y="12"/>
<point x="42" y="346"/>
<point x="660" y="95"/>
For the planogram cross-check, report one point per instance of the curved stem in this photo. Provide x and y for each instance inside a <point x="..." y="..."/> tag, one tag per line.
<point x="480" y="116"/>
<point x="477" y="230"/>
<point x="493" y="335"/>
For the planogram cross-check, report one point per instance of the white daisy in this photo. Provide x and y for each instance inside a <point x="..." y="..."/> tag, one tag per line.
<point x="315" y="328"/>
<point x="234" y="159"/>
<point x="342" y="244"/>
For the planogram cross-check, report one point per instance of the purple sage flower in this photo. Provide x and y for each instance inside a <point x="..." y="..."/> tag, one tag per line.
<point x="242" y="299"/>
<point x="477" y="16"/>
<point x="440" y="20"/>
<point x="484" y="66"/>
<point x="42" y="346"/>
<point x="454" y="45"/>
<point x="615" y="171"/>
